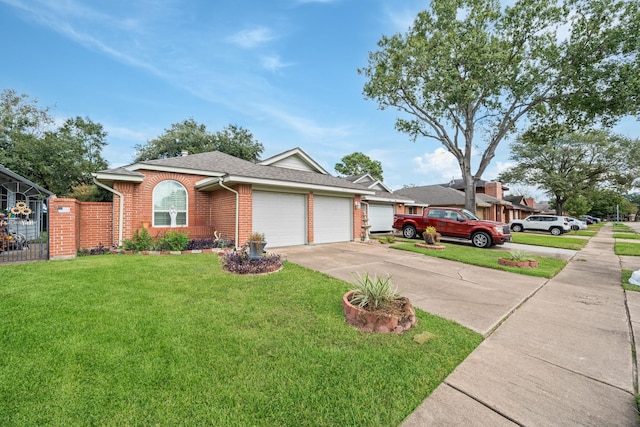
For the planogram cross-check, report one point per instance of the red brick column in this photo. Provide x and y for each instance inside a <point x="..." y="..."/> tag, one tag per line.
<point x="63" y="228"/>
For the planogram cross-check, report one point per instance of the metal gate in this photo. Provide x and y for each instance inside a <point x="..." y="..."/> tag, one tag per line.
<point x="23" y="219"/>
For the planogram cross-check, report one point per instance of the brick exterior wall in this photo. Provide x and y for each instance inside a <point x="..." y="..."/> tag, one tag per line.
<point x="75" y="225"/>
<point x="95" y="224"/>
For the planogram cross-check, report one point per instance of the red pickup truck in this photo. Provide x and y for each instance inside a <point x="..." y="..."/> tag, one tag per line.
<point x="454" y="222"/>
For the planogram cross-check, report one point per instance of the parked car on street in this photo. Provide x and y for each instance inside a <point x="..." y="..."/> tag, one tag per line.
<point x="554" y="224"/>
<point x="590" y="219"/>
<point x="577" y="224"/>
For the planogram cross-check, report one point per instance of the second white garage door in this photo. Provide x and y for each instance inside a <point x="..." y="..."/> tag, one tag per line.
<point x="332" y="219"/>
<point x="282" y="217"/>
<point x="380" y="217"/>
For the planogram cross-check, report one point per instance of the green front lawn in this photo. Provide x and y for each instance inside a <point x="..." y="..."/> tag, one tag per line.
<point x="630" y="236"/>
<point x="173" y="340"/>
<point x="561" y="242"/>
<point x="627" y="248"/>
<point x="548" y="267"/>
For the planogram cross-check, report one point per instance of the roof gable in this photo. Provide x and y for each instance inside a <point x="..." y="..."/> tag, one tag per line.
<point x="294" y="159"/>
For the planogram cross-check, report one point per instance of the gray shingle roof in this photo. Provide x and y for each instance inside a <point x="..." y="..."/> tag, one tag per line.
<point x="216" y="162"/>
<point x="437" y="195"/>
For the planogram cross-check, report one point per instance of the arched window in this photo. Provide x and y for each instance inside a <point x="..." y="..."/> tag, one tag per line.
<point x="169" y="196"/>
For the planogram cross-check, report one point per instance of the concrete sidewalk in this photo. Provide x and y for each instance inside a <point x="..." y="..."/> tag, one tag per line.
<point x="562" y="356"/>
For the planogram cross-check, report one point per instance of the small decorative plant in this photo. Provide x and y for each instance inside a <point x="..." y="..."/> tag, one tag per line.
<point x="375" y="306"/>
<point x="373" y="292"/>
<point x="256" y="237"/>
<point x="431" y="235"/>
<point x="518" y="256"/>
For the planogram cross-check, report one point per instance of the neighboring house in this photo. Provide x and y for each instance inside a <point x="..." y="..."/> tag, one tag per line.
<point x="522" y="207"/>
<point x="288" y="197"/>
<point x="382" y="206"/>
<point x="437" y="195"/>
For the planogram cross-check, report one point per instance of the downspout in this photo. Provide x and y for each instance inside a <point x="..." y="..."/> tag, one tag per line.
<point x="101" y="185"/>
<point x="237" y="207"/>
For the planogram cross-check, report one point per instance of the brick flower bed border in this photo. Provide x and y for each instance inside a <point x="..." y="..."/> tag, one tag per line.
<point x="522" y="264"/>
<point x="432" y="247"/>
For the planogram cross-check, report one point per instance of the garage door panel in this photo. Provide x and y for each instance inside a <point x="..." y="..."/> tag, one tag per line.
<point x="380" y="217"/>
<point x="332" y="219"/>
<point x="281" y="217"/>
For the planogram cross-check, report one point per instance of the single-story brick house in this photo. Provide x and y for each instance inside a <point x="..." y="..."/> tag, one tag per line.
<point x="288" y="197"/>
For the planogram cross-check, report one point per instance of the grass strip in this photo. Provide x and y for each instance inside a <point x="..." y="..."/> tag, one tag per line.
<point x="560" y="242"/>
<point x="548" y="267"/>
<point x="629" y="236"/>
<point x="627" y="248"/>
<point x="142" y="340"/>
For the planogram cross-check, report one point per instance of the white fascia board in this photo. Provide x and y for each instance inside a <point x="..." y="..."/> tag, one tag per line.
<point x="173" y="169"/>
<point x="295" y="185"/>
<point x="386" y="199"/>
<point x="422" y="205"/>
<point x="383" y="186"/>
<point x="116" y="177"/>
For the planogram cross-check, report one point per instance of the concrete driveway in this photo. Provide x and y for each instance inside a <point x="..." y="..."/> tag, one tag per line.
<point x="556" y="352"/>
<point x="476" y="297"/>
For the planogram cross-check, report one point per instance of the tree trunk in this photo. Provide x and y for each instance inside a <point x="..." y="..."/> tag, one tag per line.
<point x="469" y="192"/>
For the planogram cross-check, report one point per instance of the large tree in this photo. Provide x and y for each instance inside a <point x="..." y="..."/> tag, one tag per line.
<point x="194" y="138"/>
<point x="468" y="71"/>
<point x="568" y="165"/>
<point x="57" y="158"/>
<point x="357" y="164"/>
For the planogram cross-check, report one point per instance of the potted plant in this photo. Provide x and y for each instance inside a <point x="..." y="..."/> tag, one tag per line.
<point x="373" y="306"/>
<point x="256" y="245"/>
<point x="431" y="236"/>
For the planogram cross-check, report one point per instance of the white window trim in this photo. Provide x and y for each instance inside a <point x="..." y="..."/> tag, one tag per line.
<point x="153" y="205"/>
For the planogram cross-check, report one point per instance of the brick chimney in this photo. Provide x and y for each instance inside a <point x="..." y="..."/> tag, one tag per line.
<point x="493" y="189"/>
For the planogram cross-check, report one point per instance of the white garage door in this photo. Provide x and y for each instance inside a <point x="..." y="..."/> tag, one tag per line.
<point x="380" y="217"/>
<point x="332" y="219"/>
<point x="282" y="217"/>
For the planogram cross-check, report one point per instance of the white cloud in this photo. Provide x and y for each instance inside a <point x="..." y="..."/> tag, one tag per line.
<point x="273" y="63"/>
<point x="251" y="38"/>
<point x="439" y="164"/>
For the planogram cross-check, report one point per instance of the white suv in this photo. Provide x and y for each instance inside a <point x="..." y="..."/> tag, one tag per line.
<point x="554" y="224"/>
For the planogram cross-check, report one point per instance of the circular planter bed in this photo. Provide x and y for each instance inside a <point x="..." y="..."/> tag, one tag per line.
<point x="522" y="264"/>
<point x="395" y="318"/>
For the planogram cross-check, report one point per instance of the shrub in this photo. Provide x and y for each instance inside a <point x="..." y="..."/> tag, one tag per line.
<point x="173" y="241"/>
<point x="208" y="243"/>
<point x="98" y="250"/>
<point x="141" y="241"/>
<point x="239" y="262"/>
<point x="373" y="292"/>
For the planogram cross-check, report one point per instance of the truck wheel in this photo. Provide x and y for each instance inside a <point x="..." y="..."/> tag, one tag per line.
<point x="516" y="227"/>
<point x="556" y="231"/>
<point x="480" y="239"/>
<point x="409" y="231"/>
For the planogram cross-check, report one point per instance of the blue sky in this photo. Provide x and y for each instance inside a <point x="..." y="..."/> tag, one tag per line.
<point x="286" y="70"/>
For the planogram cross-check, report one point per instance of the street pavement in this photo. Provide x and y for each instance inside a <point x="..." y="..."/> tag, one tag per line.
<point x="556" y="351"/>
